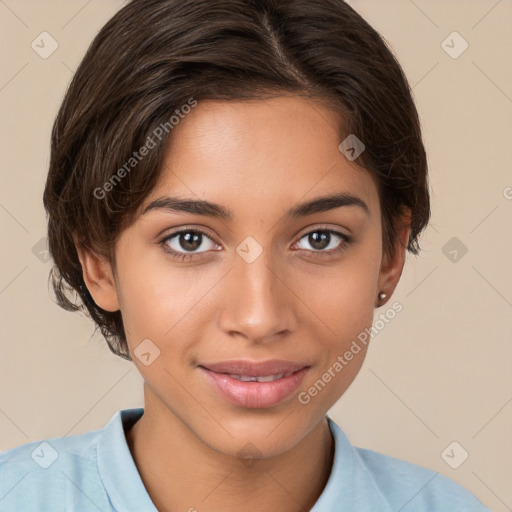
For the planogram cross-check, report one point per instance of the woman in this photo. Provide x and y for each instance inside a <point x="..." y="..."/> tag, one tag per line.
<point x="232" y="189"/>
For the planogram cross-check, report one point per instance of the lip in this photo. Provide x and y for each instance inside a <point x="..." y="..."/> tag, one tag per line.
<point x="254" y="394"/>
<point x="255" y="368"/>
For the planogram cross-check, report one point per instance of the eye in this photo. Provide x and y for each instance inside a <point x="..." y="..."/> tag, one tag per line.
<point x="184" y="244"/>
<point x="326" y="241"/>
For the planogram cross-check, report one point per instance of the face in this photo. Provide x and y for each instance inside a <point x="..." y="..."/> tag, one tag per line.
<point x="253" y="287"/>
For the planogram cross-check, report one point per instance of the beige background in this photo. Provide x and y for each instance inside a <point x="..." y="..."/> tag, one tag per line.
<point x="439" y="372"/>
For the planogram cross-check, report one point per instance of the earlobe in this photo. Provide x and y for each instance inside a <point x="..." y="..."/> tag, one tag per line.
<point x="98" y="277"/>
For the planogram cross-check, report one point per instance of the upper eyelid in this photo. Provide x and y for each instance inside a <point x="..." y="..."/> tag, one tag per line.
<point x="201" y="230"/>
<point x="307" y="231"/>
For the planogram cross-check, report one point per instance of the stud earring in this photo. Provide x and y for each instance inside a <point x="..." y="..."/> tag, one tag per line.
<point x="382" y="296"/>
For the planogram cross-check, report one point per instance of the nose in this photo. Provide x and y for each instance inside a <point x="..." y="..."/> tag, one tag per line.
<point x="258" y="304"/>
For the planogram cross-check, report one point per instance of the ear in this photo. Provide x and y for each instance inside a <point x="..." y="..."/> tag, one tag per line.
<point x="392" y="267"/>
<point x="98" y="277"/>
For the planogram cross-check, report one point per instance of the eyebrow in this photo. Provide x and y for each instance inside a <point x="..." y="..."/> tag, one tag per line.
<point x="200" y="207"/>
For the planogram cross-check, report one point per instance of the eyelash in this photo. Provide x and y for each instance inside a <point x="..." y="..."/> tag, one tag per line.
<point x="183" y="256"/>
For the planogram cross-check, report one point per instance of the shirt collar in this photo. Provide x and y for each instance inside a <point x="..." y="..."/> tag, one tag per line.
<point x="117" y="468"/>
<point x="126" y="490"/>
<point x="350" y="486"/>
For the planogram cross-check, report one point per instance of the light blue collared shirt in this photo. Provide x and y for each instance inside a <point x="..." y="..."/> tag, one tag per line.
<point x="95" y="472"/>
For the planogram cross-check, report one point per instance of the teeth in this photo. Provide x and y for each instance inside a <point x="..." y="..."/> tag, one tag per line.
<point x="270" y="378"/>
<point x="267" y="378"/>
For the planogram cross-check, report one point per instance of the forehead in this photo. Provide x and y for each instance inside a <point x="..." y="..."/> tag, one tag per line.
<point x="271" y="151"/>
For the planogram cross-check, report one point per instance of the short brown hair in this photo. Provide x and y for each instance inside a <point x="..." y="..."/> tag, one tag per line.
<point x="153" y="56"/>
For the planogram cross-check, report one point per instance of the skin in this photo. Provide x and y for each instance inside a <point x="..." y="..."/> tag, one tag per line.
<point x="258" y="159"/>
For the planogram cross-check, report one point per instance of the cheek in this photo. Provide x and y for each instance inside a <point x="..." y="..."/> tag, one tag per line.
<point x="345" y="312"/>
<point x="345" y="304"/>
<point x="162" y="302"/>
<point x="344" y="295"/>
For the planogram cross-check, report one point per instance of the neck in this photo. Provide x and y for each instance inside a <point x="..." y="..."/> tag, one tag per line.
<point x="181" y="472"/>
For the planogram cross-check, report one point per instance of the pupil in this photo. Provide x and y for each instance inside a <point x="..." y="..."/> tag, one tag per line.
<point x="319" y="239"/>
<point x="192" y="241"/>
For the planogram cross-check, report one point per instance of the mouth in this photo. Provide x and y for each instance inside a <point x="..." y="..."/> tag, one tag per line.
<point x="252" y="378"/>
<point x="255" y="384"/>
<point x="243" y="368"/>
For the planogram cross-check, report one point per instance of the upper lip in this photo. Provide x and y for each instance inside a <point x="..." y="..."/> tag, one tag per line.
<point x="255" y="368"/>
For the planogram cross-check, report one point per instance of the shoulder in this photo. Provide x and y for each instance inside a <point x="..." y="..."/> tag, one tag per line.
<point x="46" y="451"/>
<point x="402" y="485"/>
<point x="414" y="487"/>
<point x="54" y="474"/>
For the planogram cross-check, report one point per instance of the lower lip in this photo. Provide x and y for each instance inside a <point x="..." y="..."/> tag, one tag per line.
<point x="255" y="395"/>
